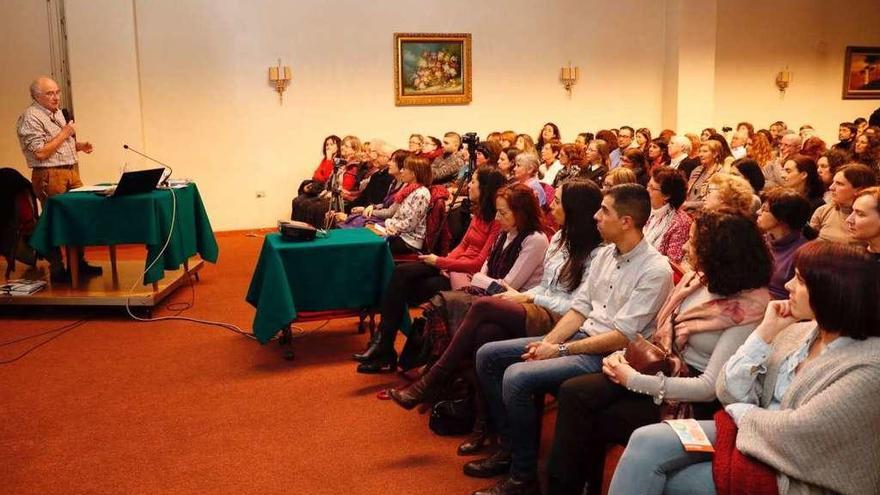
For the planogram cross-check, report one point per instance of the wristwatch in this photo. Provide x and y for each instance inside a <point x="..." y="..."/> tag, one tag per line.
<point x="562" y="349"/>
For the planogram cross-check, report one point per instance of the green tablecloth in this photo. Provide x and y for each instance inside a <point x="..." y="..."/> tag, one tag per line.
<point x="348" y="269"/>
<point x="86" y="219"/>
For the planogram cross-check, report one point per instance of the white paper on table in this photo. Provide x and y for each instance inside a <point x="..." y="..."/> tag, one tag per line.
<point x="91" y="188"/>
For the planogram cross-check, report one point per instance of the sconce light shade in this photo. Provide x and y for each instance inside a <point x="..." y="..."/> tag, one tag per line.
<point x="569" y="77"/>
<point x="280" y="76"/>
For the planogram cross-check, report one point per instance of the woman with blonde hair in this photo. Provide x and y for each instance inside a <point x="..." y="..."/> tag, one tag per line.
<point x="525" y="144"/>
<point x="710" y="164"/>
<point x="732" y="192"/>
<point x="620" y="175"/>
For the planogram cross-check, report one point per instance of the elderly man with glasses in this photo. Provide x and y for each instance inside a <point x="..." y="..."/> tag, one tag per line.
<point x="49" y="144"/>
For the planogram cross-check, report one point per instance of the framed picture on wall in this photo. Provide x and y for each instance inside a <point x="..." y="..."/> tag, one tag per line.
<point x="861" y="73"/>
<point x="432" y="69"/>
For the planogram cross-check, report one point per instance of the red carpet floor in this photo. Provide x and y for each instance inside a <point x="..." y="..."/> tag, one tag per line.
<point x="115" y="406"/>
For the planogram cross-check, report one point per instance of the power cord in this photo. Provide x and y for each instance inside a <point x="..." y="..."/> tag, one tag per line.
<point x="67" y="327"/>
<point x="227" y="326"/>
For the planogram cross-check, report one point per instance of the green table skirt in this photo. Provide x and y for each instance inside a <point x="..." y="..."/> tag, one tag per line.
<point x="86" y="219"/>
<point x="348" y="269"/>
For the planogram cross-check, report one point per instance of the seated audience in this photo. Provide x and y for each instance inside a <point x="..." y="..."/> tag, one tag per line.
<point x="525" y="144"/>
<point x="506" y="162"/>
<point x="627" y="283"/>
<point x="708" y="315"/>
<point x="846" y="134"/>
<point x="549" y="132"/>
<point x="405" y="229"/>
<point x="620" y="175"/>
<point x="378" y="212"/>
<point x="866" y="151"/>
<point x="789" y="145"/>
<point x="416" y="141"/>
<point x="864" y="221"/>
<point x="445" y="168"/>
<point x="813" y="147"/>
<point x="658" y="154"/>
<point x="431" y="149"/>
<point x="571" y="157"/>
<point x="759" y="149"/>
<point x="634" y="159"/>
<point x="799" y="172"/>
<point x="415" y="282"/>
<point x="749" y="170"/>
<point x="597" y="161"/>
<point x="344" y="185"/>
<point x="668" y="227"/>
<point x="706" y="133"/>
<point x="829" y="220"/>
<point x="625" y="137"/>
<point x="525" y="170"/>
<point x="726" y="154"/>
<point x="795" y="392"/>
<point x="698" y="183"/>
<point x="733" y="193"/>
<point x="738" y="142"/>
<point x="643" y="138"/>
<point x="827" y="164"/>
<point x="783" y="218"/>
<point x="695" y="146"/>
<point x="487" y="154"/>
<point x="376" y="179"/>
<point x="550" y="164"/>
<point x="610" y="139"/>
<point x="679" y="155"/>
<point x="508" y="139"/>
<point x="514" y="314"/>
<point x="584" y="137"/>
<point x="310" y="205"/>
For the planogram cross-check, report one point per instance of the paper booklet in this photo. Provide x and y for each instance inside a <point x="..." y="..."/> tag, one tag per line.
<point x="21" y="287"/>
<point x="691" y="434"/>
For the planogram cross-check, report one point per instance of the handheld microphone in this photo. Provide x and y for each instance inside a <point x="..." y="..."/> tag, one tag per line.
<point x="164" y="181"/>
<point x="68" y="116"/>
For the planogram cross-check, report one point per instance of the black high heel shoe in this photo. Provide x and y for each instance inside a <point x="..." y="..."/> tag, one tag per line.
<point x="380" y="362"/>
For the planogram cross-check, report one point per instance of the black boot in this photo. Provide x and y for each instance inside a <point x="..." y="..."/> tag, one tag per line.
<point x="481" y="439"/>
<point x="422" y="390"/>
<point x="372" y="348"/>
<point x="383" y="358"/>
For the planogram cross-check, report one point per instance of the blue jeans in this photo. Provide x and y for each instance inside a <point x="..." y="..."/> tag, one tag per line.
<point x="656" y="463"/>
<point x="510" y="385"/>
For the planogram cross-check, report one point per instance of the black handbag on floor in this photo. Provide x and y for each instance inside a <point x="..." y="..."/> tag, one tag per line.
<point x="453" y="417"/>
<point x="415" y="353"/>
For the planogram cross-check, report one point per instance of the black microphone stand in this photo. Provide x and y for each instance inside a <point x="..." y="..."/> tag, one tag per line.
<point x="170" y="170"/>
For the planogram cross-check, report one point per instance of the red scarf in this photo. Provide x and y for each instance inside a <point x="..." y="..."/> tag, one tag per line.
<point x="405" y="191"/>
<point x="735" y="473"/>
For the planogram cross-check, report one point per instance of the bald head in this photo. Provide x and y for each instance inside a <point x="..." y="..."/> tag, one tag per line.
<point x="45" y="91"/>
<point x="789" y="145"/>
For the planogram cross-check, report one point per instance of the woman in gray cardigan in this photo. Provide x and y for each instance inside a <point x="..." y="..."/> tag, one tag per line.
<point x="803" y="394"/>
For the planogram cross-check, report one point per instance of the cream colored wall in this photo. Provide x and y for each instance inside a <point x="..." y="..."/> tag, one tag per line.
<point x="186" y="79"/>
<point x="757" y="38"/>
<point x="208" y="109"/>
<point x="23" y="56"/>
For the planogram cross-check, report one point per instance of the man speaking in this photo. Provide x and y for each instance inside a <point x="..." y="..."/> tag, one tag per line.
<point x="49" y="145"/>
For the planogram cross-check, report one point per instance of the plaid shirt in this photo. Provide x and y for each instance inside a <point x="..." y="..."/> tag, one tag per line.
<point x="36" y="127"/>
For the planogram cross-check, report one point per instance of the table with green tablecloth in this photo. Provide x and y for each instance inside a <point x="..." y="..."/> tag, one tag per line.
<point x="348" y="269"/>
<point x="87" y="219"/>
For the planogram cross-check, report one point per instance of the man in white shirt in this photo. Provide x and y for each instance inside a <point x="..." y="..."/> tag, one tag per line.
<point x="738" y="144"/>
<point x="628" y="282"/>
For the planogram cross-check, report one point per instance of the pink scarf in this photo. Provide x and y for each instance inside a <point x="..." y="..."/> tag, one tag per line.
<point x="718" y="314"/>
<point x="405" y="191"/>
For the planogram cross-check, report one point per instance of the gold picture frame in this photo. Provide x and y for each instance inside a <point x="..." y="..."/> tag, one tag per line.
<point x="861" y="73"/>
<point x="432" y="69"/>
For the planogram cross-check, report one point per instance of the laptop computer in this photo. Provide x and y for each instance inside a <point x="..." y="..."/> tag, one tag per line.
<point x="137" y="182"/>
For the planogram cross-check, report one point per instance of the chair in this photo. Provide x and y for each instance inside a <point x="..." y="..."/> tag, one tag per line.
<point x="285" y="340"/>
<point x="18" y="218"/>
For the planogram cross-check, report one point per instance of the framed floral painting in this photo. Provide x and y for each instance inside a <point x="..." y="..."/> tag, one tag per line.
<point x="861" y="73"/>
<point x="432" y="69"/>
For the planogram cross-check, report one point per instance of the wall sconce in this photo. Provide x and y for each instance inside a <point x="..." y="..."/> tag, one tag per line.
<point x="280" y="77"/>
<point x="569" y="77"/>
<point x="783" y="79"/>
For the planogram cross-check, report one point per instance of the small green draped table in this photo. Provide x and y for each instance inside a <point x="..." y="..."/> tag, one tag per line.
<point x="348" y="269"/>
<point x="86" y="219"/>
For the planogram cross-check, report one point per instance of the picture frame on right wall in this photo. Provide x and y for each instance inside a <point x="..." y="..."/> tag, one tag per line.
<point x="861" y="73"/>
